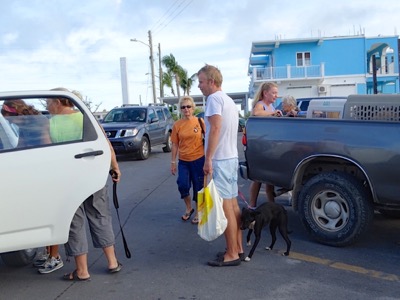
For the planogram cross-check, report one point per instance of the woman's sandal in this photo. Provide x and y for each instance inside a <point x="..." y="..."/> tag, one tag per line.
<point x="195" y="220"/>
<point x="74" y="277"/>
<point x="187" y="216"/>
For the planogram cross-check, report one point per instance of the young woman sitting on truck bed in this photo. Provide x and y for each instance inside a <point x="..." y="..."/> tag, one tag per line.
<point x="263" y="106"/>
<point x="264" y="100"/>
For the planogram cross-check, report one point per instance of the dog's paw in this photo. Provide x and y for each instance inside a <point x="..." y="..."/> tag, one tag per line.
<point x="247" y="259"/>
<point x="268" y="248"/>
<point x="248" y="244"/>
<point x="285" y="254"/>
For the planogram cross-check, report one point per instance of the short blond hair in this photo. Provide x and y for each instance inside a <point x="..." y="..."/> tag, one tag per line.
<point x="212" y="73"/>
<point x="187" y="98"/>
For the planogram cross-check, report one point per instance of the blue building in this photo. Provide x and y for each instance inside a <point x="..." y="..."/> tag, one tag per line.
<point x="326" y="66"/>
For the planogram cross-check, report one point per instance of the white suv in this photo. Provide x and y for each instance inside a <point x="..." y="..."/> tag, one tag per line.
<point x="43" y="185"/>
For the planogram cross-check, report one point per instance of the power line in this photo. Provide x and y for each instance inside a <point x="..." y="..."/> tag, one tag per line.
<point x="159" y="22"/>
<point x="174" y="16"/>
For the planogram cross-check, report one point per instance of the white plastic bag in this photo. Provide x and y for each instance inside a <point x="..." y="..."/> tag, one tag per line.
<point x="212" y="220"/>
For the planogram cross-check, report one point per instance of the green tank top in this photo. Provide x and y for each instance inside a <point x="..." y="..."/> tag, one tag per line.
<point x="64" y="128"/>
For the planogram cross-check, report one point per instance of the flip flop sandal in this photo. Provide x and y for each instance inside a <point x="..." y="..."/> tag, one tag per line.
<point x="116" y="269"/>
<point x="187" y="216"/>
<point x="74" y="277"/>
<point x="195" y="220"/>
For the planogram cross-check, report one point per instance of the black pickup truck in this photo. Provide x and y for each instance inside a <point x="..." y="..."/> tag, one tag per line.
<point x="340" y="171"/>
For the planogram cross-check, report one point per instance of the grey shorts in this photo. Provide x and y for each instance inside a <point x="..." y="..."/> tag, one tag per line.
<point x="96" y="209"/>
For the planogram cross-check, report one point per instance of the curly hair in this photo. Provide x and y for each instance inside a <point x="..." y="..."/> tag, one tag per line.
<point x="21" y="107"/>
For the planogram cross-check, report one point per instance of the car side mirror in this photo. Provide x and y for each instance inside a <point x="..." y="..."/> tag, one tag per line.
<point x="153" y="120"/>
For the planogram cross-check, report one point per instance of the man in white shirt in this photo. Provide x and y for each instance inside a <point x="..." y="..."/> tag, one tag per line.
<point x="221" y="158"/>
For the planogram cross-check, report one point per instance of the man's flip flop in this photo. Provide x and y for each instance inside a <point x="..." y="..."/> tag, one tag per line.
<point x="74" y="277"/>
<point x="187" y="216"/>
<point x="116" y="269"/>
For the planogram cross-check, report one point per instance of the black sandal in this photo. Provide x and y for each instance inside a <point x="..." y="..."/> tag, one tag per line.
<point x="75" y="277"/>
<point x="187" y="216"/>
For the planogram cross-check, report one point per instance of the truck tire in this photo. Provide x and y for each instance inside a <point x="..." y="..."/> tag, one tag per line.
<point x="19" y="258"/>
<point x="144" y="151"/>
<point x="168" y="145"/>
<point x="335" y="208"/>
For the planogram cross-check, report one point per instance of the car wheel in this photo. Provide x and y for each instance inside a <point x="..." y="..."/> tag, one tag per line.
<point x="168" y="145"/>
<point x="144" y="151"/>
<point x="19" y="258"/>
<point x="335" y="208"/>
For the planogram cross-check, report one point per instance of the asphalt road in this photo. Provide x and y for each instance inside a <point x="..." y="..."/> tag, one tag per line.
<point x="169" y="259"/>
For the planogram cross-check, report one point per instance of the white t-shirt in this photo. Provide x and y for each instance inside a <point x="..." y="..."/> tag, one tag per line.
<point x="221" y="104"/>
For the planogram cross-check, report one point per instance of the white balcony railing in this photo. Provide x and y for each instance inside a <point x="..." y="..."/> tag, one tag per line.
<point x="288" y="72"/>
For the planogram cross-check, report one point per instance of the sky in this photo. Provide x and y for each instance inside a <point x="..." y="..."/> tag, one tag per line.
<point x="78" y="44"/>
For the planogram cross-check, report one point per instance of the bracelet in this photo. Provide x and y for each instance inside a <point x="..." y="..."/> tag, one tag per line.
<point x="172" y="162"/>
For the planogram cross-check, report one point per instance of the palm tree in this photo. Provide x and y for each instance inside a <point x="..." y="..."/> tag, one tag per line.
<point x="174" y="69"/>
<point x="186" y="83"/>
<point x="167" y="80"/>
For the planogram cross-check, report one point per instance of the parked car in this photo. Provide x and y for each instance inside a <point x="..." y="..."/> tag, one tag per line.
<point x="242" y="122"/>
<point x="135" y="129"/>
<point x="43" y="184"/>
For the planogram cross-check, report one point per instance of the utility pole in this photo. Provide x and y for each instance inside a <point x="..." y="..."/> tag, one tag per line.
<point x="160" y="72"/>
<point x="153" y="81"/>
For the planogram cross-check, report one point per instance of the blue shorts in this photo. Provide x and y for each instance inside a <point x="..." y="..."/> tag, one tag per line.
<point x="225" y="175"/>
<point x="190" y="173"/>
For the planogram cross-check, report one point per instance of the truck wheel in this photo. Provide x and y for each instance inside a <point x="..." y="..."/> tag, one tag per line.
<point x="335" y="208"/>
<point x="19" y="258"/>
<point x="144" y="151"/>
<point x="168" y="145"/>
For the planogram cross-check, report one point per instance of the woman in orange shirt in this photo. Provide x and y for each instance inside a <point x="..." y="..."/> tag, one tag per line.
<point x="187" y="144"/>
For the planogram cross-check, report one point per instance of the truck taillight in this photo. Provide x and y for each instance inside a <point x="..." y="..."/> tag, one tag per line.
<point x="244" y="139"/>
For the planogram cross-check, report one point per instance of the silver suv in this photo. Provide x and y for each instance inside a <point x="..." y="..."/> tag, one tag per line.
<point x="135" y="129"/>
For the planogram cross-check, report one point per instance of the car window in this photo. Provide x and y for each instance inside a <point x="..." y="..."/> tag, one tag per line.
<point x="167" y="113"/>
<point x="23" y="125"/>
<point x="160" y="114"/>
<point x="152" y="114"/>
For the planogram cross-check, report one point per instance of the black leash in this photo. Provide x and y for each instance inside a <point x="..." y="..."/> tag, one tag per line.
<point x="115" y="200"/>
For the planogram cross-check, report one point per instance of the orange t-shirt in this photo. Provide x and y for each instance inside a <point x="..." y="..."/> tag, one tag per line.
<point x="188" y="136"/>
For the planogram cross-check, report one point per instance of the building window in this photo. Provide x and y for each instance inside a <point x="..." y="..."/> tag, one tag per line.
<point x="303" y="59"/>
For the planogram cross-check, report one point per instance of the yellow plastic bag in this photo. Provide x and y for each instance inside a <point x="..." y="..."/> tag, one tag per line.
<point x="212" y="220"/>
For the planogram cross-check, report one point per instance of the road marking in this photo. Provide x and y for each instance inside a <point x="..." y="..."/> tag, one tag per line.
<point x="346" y="267"/>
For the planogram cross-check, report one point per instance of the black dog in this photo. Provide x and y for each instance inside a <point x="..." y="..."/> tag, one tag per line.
<point x="267" y="213"/>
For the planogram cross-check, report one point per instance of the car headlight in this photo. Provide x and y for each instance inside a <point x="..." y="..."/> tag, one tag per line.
<point x="130" y="132"/>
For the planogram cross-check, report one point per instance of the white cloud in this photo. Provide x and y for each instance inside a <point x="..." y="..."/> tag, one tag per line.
<point x="45" y="44"/>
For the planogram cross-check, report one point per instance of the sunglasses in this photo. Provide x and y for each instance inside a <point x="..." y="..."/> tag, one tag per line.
<point x="186" y="106"/>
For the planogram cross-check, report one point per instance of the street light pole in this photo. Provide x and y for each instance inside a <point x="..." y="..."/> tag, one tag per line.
<point x="153" y="80"/>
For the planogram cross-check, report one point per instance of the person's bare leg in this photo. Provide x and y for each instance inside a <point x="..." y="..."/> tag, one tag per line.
<point x="53" y="251"/>
<point x="81" y="266"/>
<point x="254" y="191"/>
<point x="109" y="252"/>
<point x="188" y="203"/>
<point x="270" y="191"/>
<point x="231" y="234"/>
<point x="239" y="232"/>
